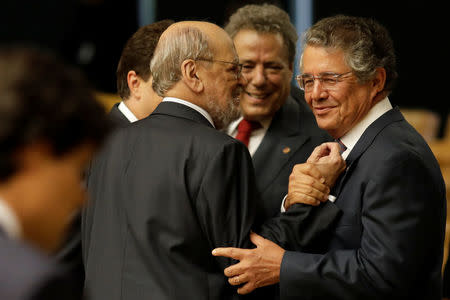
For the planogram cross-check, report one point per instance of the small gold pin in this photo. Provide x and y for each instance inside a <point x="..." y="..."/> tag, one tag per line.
<point x="286" y="150"/>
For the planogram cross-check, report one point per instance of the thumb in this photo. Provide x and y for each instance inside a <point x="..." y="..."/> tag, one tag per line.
<point x="256" y="239"/>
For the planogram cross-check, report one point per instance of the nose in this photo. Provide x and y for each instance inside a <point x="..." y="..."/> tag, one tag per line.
<point x="258" y="76"/>
<point x="318" y="92"/>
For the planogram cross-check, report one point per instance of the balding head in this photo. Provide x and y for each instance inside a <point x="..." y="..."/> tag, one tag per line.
<point x="181" y="41"/>
<point x="197" y="62"/>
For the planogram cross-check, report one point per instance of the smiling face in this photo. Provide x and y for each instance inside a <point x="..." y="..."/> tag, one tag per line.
<point x="340" y="109"/>
<point x="267" y="72"/>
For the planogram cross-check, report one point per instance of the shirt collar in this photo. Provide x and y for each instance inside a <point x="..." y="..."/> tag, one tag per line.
<point x="191" y="105"/>
<point x="9" y="221"/>
<point x="353" y="135"/>
<point x="127" y="112"/>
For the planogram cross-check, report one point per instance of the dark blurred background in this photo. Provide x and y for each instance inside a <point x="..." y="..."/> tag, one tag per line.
<point x="91" y="34"/>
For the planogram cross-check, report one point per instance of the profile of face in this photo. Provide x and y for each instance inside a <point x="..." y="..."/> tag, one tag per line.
<point x="340" y="108"/>
<point x="57" y="193"/>
<point x="223" y="83"/>
<point x="267" y="72"/>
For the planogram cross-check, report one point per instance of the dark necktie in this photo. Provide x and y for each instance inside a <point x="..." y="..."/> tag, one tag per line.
<point x="341" y="145"/>
<point x="245" y="129"/>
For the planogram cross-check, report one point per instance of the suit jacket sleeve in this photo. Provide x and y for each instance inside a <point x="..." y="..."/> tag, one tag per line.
<point x="225" y="201"/>
<point x="301" y="225"/>
<point x="399" y="232"/>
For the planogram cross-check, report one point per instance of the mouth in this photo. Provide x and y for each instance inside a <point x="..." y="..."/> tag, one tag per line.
<point x="321" y="110"/>
<point x="256" y="96"/>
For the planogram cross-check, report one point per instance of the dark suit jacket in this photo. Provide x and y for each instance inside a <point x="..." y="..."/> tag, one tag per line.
<point x="293" y="127"/>
<point x="158" y="207"/>
<point x="26" y="274"/>
<point x="389" y="242"/>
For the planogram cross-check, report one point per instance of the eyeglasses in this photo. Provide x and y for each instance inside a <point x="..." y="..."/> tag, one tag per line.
<point x="328" y="80"/>
<point x="237" y="66"/>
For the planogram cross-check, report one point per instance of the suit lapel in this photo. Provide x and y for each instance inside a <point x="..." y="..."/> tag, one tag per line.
<point x="282" y="140"/>
<point x="180" y="111"/>
<point x="365" y="141"/>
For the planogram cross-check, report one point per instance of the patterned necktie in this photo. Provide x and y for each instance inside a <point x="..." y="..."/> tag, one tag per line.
<point x="341" y="145"/>
<point x="245" y="129"/>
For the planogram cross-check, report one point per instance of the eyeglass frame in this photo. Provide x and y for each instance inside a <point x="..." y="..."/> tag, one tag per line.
<point x="335" y="76"/>
<point x="238" y="65"/>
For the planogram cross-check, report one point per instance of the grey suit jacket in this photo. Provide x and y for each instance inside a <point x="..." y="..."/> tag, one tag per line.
<point x="26" y="274"/>
<point x="290" y="139"/>
<point x="389" y="242"/>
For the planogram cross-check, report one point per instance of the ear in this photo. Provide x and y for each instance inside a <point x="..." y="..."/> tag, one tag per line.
<point x="378" y="81"/>
<point x="191" y="76"/>
<point x="134" y="82"/>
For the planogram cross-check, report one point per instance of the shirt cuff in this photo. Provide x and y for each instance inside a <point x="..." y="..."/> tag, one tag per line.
<point x="282" y="209"/>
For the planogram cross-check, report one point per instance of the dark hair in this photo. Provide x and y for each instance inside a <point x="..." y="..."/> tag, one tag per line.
<point x="365" y="42"/>
<point x="137" y="53"/>
<point x="43" y="99"/>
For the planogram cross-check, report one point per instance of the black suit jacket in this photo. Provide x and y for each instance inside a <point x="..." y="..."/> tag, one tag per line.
<point x="26" y="274"/>
<point x="289" y="140"/>
<point x="389" y="242"/>
<point x="163" y="195"/>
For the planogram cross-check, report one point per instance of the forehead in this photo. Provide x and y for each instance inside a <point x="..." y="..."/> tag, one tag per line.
<point x="264" y="44"/>
<point x="317" y="60"/>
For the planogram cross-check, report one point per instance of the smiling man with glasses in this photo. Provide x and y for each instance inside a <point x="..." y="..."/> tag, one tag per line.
<point x="388" y="244"/>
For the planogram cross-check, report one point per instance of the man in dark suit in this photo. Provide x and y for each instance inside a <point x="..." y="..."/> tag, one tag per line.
<point x="287" y="132"/>
<point x="50" y="125"/>
<point x="134" y="80"/>
<point x="388" y="244"/>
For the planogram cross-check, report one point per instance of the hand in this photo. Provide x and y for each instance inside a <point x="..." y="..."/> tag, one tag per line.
<point x="257" y="267"/>
<point x="306" y="185"/>
<point x="328" y="161"/>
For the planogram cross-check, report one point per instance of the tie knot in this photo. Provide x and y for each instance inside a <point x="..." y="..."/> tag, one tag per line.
<point x="248" y="126"/>
<point x="245" y="129"/>
<point x="341" y="145"/>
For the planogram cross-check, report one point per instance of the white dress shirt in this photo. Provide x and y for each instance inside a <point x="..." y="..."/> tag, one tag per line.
<point x="191" y="105"/>
<point x="9" y="222"/>
<point x="256" y="136"/>
<point x="353" y="135"/>
<point x="127" y="112"/>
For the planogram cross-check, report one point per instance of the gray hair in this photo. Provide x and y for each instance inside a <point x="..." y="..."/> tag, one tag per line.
<point x="173" y="48"/>
<point x="265" y="18"/>
<point x="365" y="42"/>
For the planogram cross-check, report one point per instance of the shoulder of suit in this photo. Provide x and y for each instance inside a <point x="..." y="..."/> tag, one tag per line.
<point x="24" y="268"/>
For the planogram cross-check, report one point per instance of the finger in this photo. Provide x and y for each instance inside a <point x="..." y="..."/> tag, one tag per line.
<point x="316" y="154"/>
<point x="238" y="280"/>
<point x="256" y="239"/>
<point x="335" y="149"/>
<point x="246" y="288"/>
<point x="234" y="270"/>
<point x="307" y="169"/>
<point x="235" y="253"/>
<point x="309" y="185"/>
<point x="298" y="198"/>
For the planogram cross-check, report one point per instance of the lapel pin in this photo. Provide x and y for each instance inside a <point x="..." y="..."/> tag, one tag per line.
<point x="286" y="150"/>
